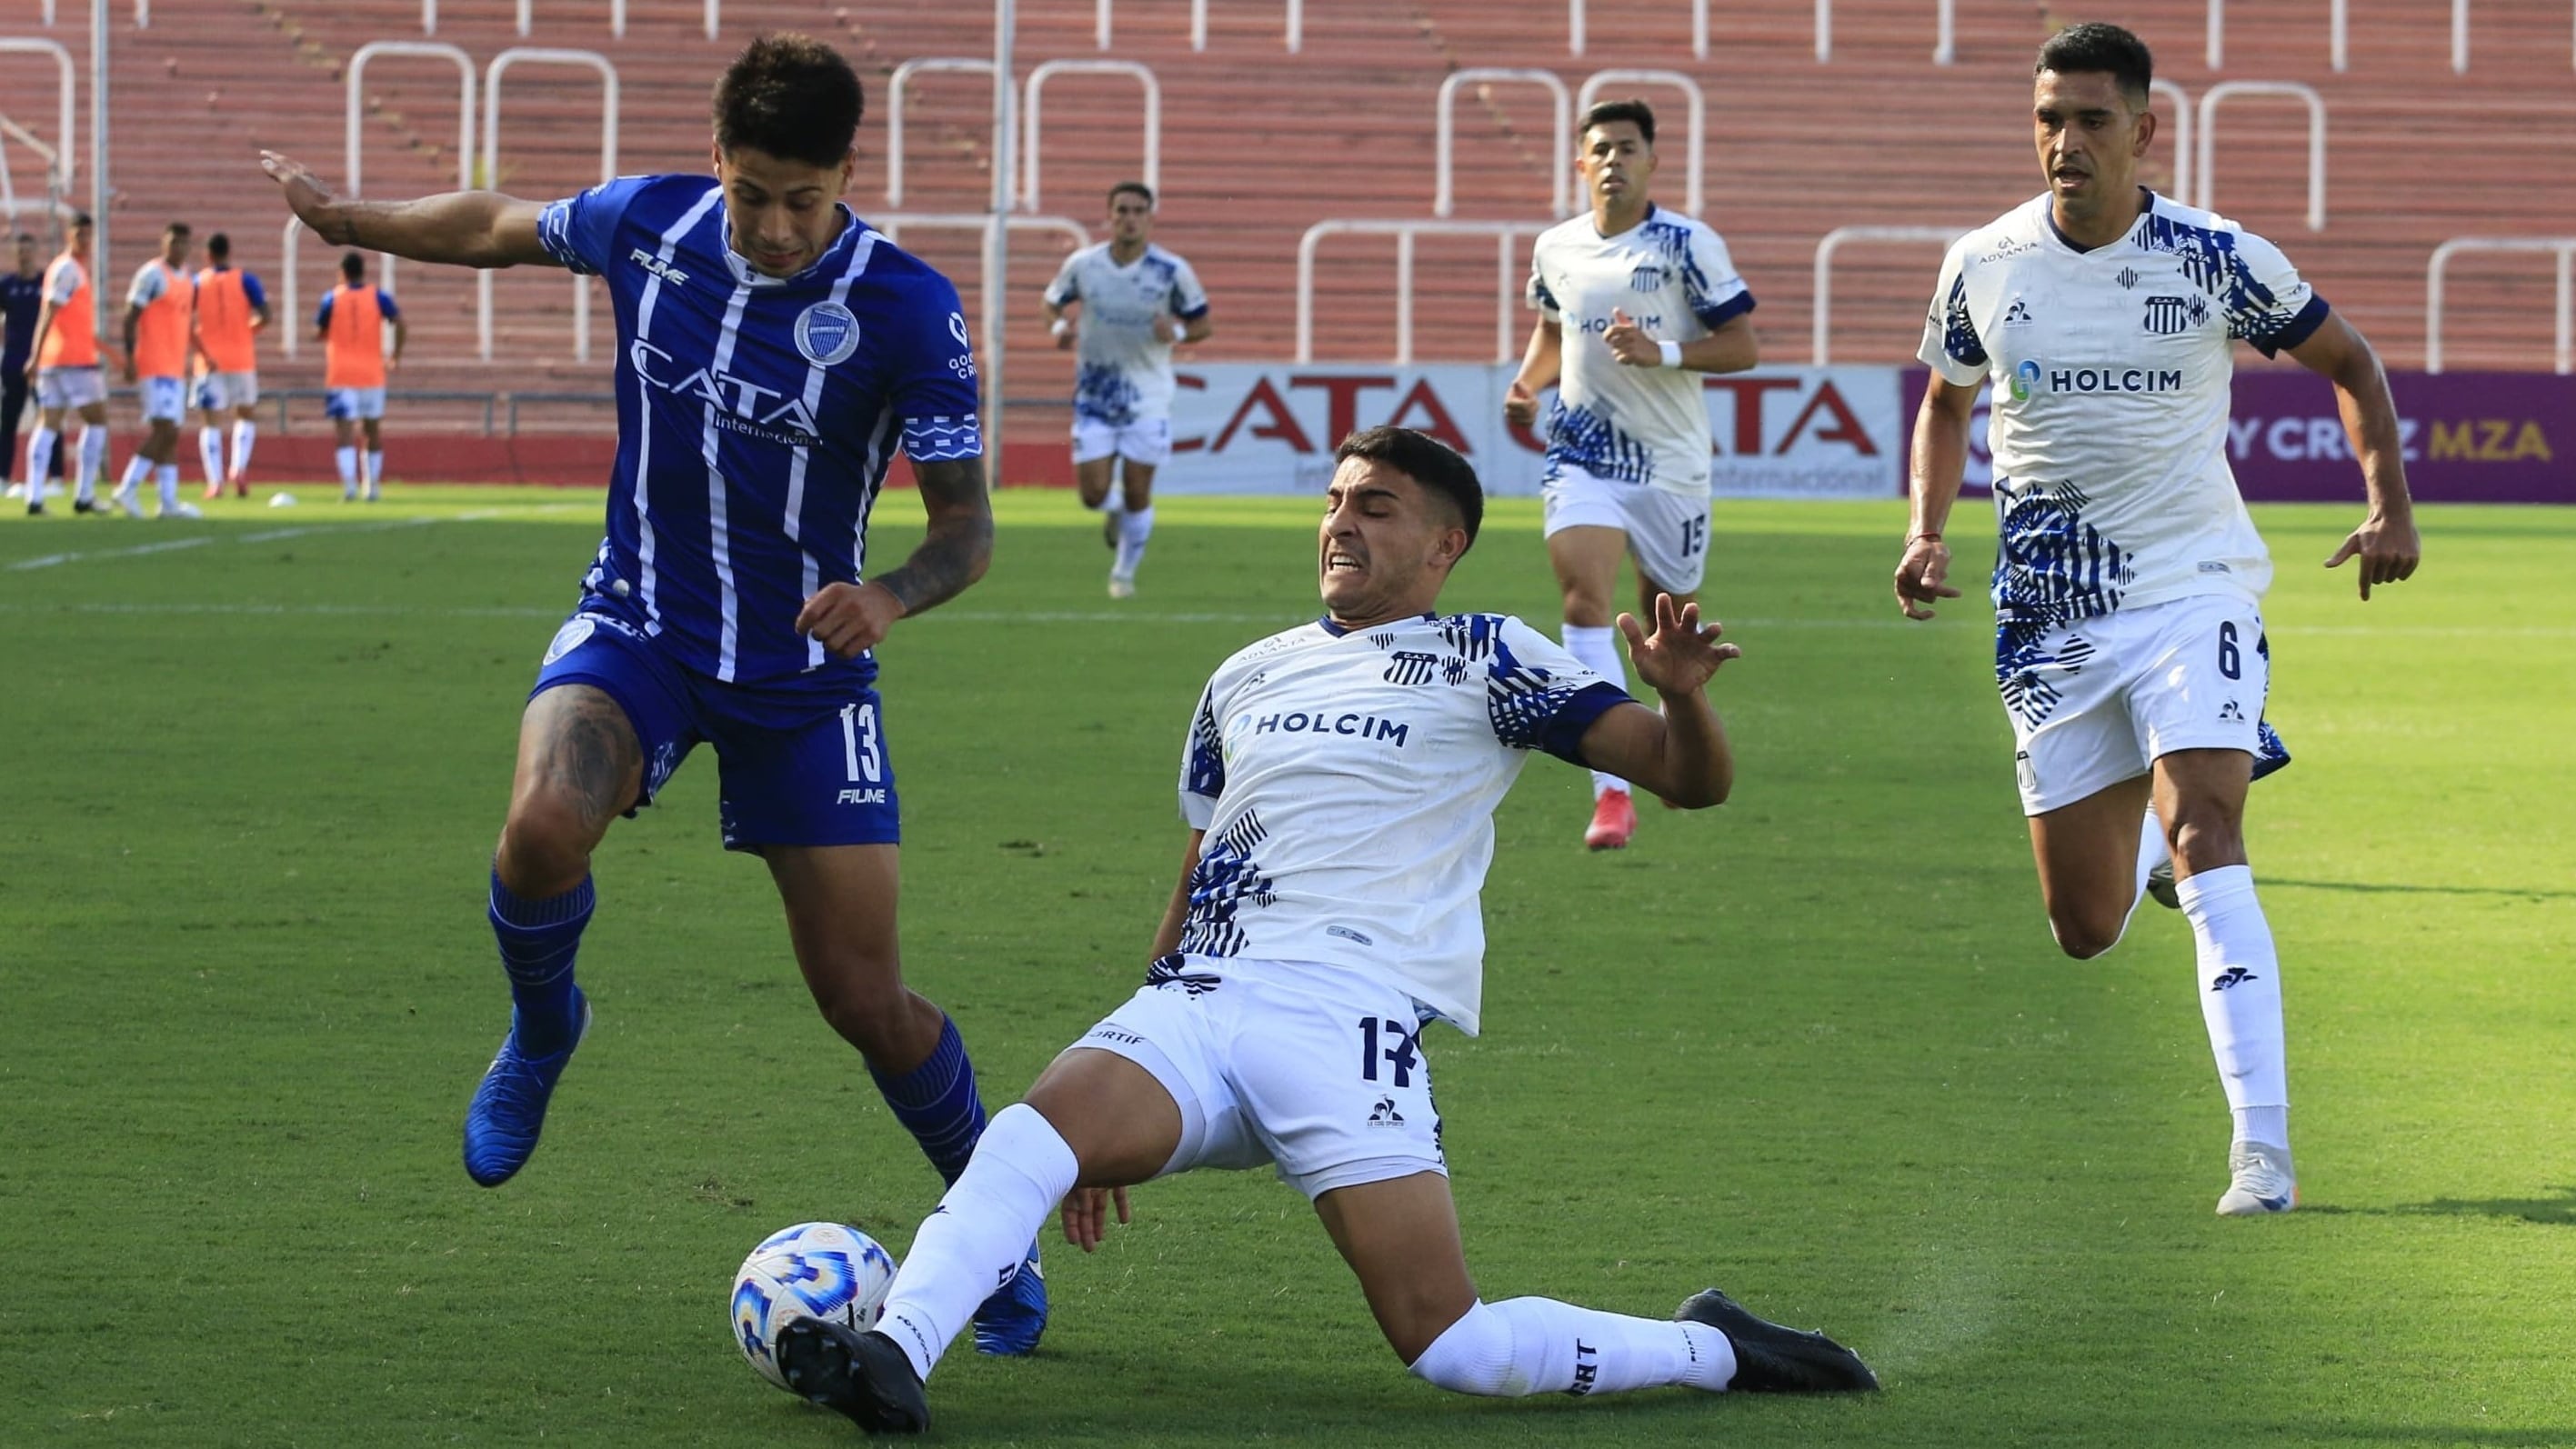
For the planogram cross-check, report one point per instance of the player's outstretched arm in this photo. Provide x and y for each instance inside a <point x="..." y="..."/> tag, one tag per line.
<point x="460" y="228"/>
<point x="1933" y="475"/>
<point x="1680" y="754"/>
<point x="2386" y="542"/>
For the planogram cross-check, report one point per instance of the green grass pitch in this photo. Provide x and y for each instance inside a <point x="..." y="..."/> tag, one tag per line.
<point x="1815" y="1047"/>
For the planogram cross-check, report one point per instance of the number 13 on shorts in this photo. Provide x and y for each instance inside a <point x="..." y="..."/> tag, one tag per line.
<point x="859" y="750"/>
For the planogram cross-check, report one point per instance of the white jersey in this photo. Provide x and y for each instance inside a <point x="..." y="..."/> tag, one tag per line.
<point x="151" y="280"/>
<point x="2109" y="421"/>
<point x="1347" y="782"/>
<point x="1124" y="356"/>
<point x="1673" y="278"/>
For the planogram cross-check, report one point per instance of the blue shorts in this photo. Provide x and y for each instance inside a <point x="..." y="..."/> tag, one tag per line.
<point x="795" y="766"/>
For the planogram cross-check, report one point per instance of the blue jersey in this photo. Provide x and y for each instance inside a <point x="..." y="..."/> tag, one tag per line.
<point x="755" y="418"/>
<point x="20" y="299"/>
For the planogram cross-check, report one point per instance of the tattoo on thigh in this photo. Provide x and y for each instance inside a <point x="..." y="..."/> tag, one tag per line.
<point x="593" y="756"/>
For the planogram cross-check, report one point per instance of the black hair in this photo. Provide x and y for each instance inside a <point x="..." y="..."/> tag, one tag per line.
<point x="1138" y="187"/>
<point x="2096" y="47"/>
<point x="81" y="219"/>
<point x="791" y="96"/>
<point x="1427" y="461"/>
<point x="176" y="228"/>
<point x="353" y="266"/>
<point x="219" y="246"/>
<point x="1631" y="110"/>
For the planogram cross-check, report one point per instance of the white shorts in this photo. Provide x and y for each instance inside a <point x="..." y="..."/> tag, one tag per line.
<point x="222" y="391"/>
<point x="366" y="403"/>
<point x="1667" y="532"/>
<point x="2097" y="701"/>
<point x="164" y="399"/>
<point x="70" y="387"/>
<point x="1146" y="440"/>
<point x="1313" y="1068"/>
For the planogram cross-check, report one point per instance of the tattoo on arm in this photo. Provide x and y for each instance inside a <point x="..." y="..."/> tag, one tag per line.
<point x="960" y="541"/>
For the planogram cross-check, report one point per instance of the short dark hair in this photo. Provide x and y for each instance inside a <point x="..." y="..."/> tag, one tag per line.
<point x="1427" y="461"/>
<point x="81" y="219"/>
<point x="176" y="228"/>
<point x="1631" y="110"/>
<point x="2096" y="47"/>
<point x="1138" y="187"/>
<point x="353" y="266"/>
<point x="791" y="96"/>
<point x="219" y="246"/>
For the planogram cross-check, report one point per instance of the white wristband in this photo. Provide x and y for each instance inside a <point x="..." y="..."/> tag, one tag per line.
<point x="1672" y="352"/>
<point x="1180" y="330"/>
<point x="1062" y="326"/>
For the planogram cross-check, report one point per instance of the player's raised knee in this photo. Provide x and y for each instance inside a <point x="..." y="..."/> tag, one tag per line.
<point x="2086" y="934"/>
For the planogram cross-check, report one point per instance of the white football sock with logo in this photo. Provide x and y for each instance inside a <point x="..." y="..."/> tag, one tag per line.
<point x="375" y="472"/>
<point x="2152" y="852"/>
<point x="40" y="461"/>
<point x="347" y="458"/>
<point x="210" y="452"/>
<point x="93" y="457"/>
<point x="979" y="1235"/>
<point x="167" y="475"/>
<point x="1133" y="530"/>
<point x="245" y="433"/>
<point x="2240" y="999"/>
<point x="137" y="468"/>
<point x="1598" y="650"/>
<point x="1541" y="1346"/>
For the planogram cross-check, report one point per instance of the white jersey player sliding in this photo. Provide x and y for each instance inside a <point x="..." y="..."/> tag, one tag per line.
<point x="1634" y="303"/>
<point x="2129" y="642"/>
<point x="1339" y="781"/>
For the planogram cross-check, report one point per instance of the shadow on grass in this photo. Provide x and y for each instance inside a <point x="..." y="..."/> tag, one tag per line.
<point x="2378" y="888"/>
<point x="2559" y="1210"/>
<point x="2348" y="1433"/>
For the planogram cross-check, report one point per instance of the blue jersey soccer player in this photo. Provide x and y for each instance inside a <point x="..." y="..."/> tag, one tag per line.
<point x="1340" y="780"/>
<point x="773" y="353"/>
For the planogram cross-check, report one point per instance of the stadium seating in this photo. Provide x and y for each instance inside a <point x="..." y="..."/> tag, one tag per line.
<point x="1258" y="144"/>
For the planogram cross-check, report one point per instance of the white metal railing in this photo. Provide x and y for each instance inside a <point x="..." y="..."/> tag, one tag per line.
<point x="616" y="17"/>
<point x="2182" y="138"/>
<point x="294" y="328"/>
<point x="1506" y="282"/>
<point x="66" y="85"/>
<point x="1033" y="93"/>
<point x="895" y="86"/>
<point x="892" y="223"/>
<point x="1578" y="25"/>
<point x="1198" y="25"/>
<point x="590" y="60"/>
<point x="51" y="156"/>
<point x="1695" y="155"/>
<point x="2316" y="138"/>
<point x="1945" y="35"/>
<point x="1821" y="341"/>
<point x="353" y="128"/>
<point x="2563" y="246"/>
<point x="1560" y="137"/>
<point x="429" y="16"/>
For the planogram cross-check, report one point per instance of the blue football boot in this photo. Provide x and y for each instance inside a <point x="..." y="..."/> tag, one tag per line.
<point x="509" y="1108"/>
<point x="1011" y="1320"/>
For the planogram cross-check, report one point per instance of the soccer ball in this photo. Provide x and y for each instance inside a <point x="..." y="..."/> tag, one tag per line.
<point x="829" y="1271"/>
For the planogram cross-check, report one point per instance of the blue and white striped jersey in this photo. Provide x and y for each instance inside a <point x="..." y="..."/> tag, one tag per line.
<point x="2112" y="372"/>
<point x="1347" y="785"/>
<point x="755" y="416"/>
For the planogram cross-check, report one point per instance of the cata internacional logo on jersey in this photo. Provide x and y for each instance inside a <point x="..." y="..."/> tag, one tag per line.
<point x="1781" y="432"/>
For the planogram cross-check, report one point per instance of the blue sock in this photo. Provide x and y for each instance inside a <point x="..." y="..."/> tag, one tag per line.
<point x="938" y="1104"/>
<point x="538" y="939"/>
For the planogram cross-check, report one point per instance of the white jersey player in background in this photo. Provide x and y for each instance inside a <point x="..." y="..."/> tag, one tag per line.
<point x="1339" y="781"/>
<point x="1137" y="300"/>
<point x="2129" y="643"/>
<point x="1652" y="300"/>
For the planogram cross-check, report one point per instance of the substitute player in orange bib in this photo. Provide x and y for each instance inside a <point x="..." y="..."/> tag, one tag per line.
<point x="67" y="375"/>
<point x="231" y="309"/>
<point x="352" y="325"/>
<point x="160" y="336"/>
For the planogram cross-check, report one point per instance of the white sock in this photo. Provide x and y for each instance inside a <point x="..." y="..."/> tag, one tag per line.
<point x="1540" y="1346"/>
<point x="137" y="468"/>
<point x="1115" y="505"/>
<point x="40" y="460"/>
<point x="980" y="1234"/>
<point x="210" y="452"/>
<point x="245" y="433"/>
<point x="167" y="475"/>
<point x="375" y="470"/>
<point x="2152" y="851"/>
<point x="93" y="457"/>
<point x="1598" y="649"/>
<point x="2240" y="999"/>
<point x="1133" y="530"/>
<point x="347" y="458"/>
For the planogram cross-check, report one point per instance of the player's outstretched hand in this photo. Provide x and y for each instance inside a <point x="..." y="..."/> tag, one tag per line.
<point x="1629" y="342"/>
<point x="306" y="196"/>
<point x="2389" y="550"/>
<point x="849" y="619"/>
<point x="1520" y="404"/>
<point x="1681" y="655"/>
<point x="1086" y="1215"/>
<point x="1921" y="575"/>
